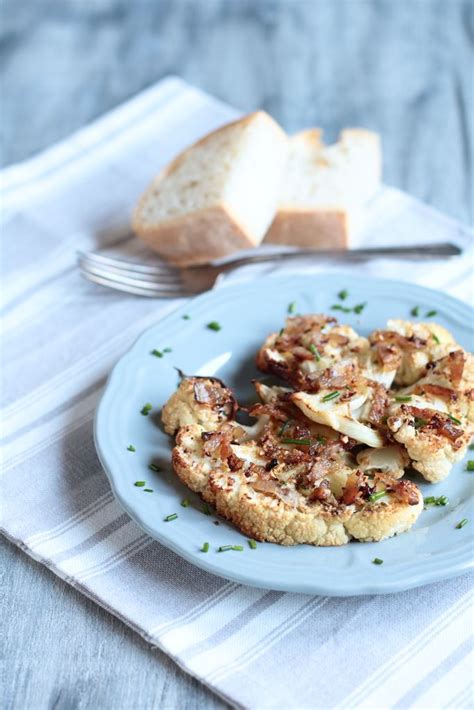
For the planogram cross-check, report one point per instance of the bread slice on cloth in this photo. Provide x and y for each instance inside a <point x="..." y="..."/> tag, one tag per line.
<point x="325" y="189"/>
<point x="217" y="196"/>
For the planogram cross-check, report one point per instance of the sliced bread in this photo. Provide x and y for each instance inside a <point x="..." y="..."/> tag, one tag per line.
<point x="217" y="196"/>
<point x="325" y="188"/>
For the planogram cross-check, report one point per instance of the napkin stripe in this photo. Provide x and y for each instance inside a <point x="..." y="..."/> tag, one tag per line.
<point x="266" y="642"/>
<point x="66" y="525"/>
<point x="406" y="654"/>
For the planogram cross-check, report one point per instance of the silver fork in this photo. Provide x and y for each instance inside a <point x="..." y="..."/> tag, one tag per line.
<point x="161" y="280"/>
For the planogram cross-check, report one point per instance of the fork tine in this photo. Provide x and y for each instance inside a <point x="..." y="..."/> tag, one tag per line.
<point x="150" y="292"/>
<point x="125" y="265"/>
<point x="169" y="277"/>
<point x="129" y="283"/>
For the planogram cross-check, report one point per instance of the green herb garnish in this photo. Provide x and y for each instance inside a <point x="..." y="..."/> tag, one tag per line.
<point x="430" y="314"/>
<point x="470" y="466"/>
<point x="185" y="503"/>
<point x="471" y="447"/>
<point x="214" y="325"/>
<point x="252" y="544"/>
<point x="167" y="350"/>
<point x="376" y="496"/>
<point x="433" y="500"/>
<point x="315" y="352"/>
<point x="343" y="294"/>
<point x="148" y="490"/>
<point x="453" y="419"/>
<point x="205" y="547"/>
<point x="131" y="448"/>
<point x="224" y="548"/>
<point x="377" y="561"/>
<point x="154" y="467"/>
<point x="403" y="398"/>
<point x="139" y="484"/>
<point x="462" y="523"/>
<point x="206" y="510"/>
<point x="321" y="439"/>
<point x="285" y="426"/>
<point x="292" y="307"/>
<point x="419" y="422"/>
<point x="435" y="338"/>
<point x="186" y="317"/>
<point x="359" y="308"/>
<point x="238" y="548"/>
<point x="301" y="442"/>
<point x="146" y="409"/>
<point x="171" y="517"/>
<point x="156" y="353"/>
<point x="282" y="330"/>
<point x="338" y="307"/>
<point x="415" y="311"/>
<point x="331" y="395"/>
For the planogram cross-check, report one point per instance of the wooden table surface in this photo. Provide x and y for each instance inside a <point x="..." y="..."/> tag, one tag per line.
<point x="402" y="68"/>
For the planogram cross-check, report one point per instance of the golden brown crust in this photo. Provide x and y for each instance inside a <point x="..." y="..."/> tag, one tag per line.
<point x="315" y="229"/>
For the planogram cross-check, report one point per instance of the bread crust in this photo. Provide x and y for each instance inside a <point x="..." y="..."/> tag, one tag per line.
<point x="315" y="229"/>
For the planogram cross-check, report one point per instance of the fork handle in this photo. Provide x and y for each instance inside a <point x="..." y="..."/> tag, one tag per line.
<point x="420" y="251"/>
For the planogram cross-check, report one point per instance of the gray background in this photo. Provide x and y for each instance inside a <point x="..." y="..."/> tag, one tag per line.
<point x="402" y="67"/>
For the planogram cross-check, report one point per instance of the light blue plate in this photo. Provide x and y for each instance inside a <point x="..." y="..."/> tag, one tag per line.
<point x="433" y="550"/>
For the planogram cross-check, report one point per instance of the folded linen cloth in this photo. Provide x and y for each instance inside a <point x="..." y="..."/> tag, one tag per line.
<point x="255" y="648"/>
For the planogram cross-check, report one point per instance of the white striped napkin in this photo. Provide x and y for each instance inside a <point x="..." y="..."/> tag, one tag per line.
<point x="61" y="336"/>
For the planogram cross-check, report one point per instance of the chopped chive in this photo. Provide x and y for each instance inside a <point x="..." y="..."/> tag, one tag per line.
<point x="301" y="442"/>
<point x="376" y="496"/>
<point x="292" y="307"/>
<point x="205" y="547"/>
<point x="130" y="447"/>
<point x="377" y="561"/>
<point x="167" y="350"/>
<point x="282" y="330"/>
<point x="435" y="338"/>
<point x="470" y="466"/>
<point x="471" y="447"/>
<point x="442" y="500"/>
<point x="186" y="317"/>
<point x="156" y="353"/>
<point x="238" y="548"/>
<point x="252" y="544"/>
<point x="359" y="308"/>
<point x="285" y="426"/>
<point x="338" y="307"/>
<point x="343" y="294"/>
<point x="462" y="523"/>
<point x="415" y="311"/>
<point x="139" y="484"/>
<point x="430" y="314"/>
<point x="331" y="395"/>
<point x="419" y="422"/>
<point x="154" y="467"/>
<point x="321" y="439"/>
<point x="205" y="509"/>
<point x="433" y="500"/>
<point x="214" y="325"/>
<point x="315" y="352"/>
<point x="171" y="517"/>
<point x="429" y="500"/>
<point x="403" y="398"/>
<point x="148" y="490"/>
<point x="453" y="419"/>
<point x="146" y="409"/>
<point x="224" y="548"/>
<point x="185" y="503"/>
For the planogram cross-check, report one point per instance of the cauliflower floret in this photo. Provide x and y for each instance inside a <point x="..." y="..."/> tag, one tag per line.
<point x="198" y="400"/>
<point x="407" y="348"/>
<point x="390" y="459"/>
<point x="307" y="346"/>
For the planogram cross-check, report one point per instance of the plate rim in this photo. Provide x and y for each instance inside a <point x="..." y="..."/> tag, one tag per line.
<point x="380" y="586"/>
